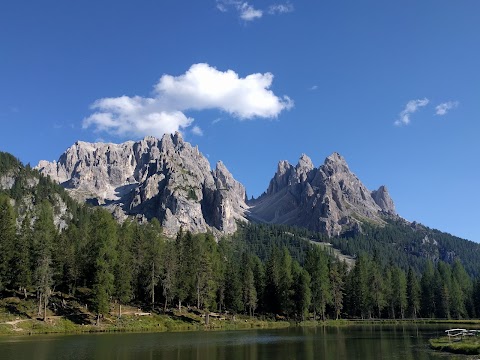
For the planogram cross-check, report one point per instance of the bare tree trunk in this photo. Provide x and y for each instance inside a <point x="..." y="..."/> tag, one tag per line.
<point x="45" y="307"/>
<point x="198" y="294"/>
<point x="153" y="285"/>
<point x="39" y="305"/>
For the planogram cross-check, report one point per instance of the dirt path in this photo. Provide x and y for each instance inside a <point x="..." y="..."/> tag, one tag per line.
<point x="14" y="324"/>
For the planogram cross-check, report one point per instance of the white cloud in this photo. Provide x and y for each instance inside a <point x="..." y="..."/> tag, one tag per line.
<point x="217" y="120"/>
<point x="248" y="12"/>
<point x="202" y="87"/>
<point x="280" y="8"/>
<point x="196" y="130"/>
<point x="411" y="107"/>
<point x="314" y="87"/>
<point x="443" y="108"/>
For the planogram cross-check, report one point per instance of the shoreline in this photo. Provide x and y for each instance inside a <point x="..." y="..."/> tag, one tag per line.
<point x="189" y="322"/>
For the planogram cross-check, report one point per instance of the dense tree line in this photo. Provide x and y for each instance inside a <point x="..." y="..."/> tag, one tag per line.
<point x="134" y="263"/>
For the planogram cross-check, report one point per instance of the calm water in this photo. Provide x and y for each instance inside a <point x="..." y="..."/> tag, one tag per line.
<point x="366" y="342"/>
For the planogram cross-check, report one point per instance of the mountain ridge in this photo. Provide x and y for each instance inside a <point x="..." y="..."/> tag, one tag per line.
<point x="171" y="180"/>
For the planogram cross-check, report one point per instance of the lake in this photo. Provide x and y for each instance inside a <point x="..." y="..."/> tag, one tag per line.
<point x="353" y="342"/>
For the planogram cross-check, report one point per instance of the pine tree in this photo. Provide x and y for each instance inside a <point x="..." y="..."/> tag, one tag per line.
<point x="104" y="242"/>
<point x="248" y="285"/>
<point x="317" y="266"/>
<point x="44" y="232"/>
<point x="337" y="282"/>
<point x="153" y="247"/>
<point x="302" y="294"/>
<point x="377" y="286"/>
<point x="21" y="267"/>
<point x="123" y="267"/>
<point x="170" y="269"/>
<point x="413" y="294"/>
<point x="399" y="287"/>
<point x="428" y="303"/>
<point x="7" y="240"/>
<point x="285" y="281"/>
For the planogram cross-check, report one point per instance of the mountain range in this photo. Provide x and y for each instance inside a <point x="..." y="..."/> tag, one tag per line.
<point x="171" y="180"/>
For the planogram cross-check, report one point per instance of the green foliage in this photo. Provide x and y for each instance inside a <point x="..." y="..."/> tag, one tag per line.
<point x="103" y="231"/>
<point x="7" y="239"/>
<point x="410" y="246"/>
<point x="8" y="162"/>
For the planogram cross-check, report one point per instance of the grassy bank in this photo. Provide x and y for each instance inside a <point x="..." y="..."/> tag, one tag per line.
<point x="19" y="317"/>
<point x="467" y="346"/>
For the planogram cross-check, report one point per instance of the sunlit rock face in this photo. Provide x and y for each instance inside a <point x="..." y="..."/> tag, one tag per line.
<point x="168" y="179"/>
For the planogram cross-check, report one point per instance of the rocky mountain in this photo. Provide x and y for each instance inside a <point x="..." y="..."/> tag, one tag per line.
<point x="167" y="178"/>
<point x="329" y="199"/>
<point x="171" y="180"/>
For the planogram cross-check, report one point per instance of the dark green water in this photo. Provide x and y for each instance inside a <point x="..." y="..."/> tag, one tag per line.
<point x="365" y="342"/>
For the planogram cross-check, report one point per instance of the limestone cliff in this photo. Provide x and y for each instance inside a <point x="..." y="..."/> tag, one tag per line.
<point x="328" y="199"/>
<point x="168" y="179"/>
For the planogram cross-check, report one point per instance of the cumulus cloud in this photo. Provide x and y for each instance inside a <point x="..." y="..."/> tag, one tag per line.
<point x="202" y="87"/>
<point x="443" y="108"/>
<point x="196" y="130"/>
<point x="280" y="8"/>
<point x="411" y="107"/>
<point x="247" y="12"/>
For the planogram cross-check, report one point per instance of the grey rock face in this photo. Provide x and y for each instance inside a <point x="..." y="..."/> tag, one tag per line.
<point x="168" y="179"/>
<point x="329" y="199"/>
<point x="382" y="198"/>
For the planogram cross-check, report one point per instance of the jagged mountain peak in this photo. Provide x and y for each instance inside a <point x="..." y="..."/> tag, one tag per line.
<point x="383" y="199"/>
<point x="305" y="163"/>
<point x="167" y="178"/>
<point x="329" y="199"/>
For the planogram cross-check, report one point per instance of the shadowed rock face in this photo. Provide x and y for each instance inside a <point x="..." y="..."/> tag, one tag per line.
<point x="328" y="199"/>
<point x="168" y="179"/>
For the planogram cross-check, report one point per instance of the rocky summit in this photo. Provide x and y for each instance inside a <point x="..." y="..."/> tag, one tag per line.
<point x="171" y="180"/>
<point x="329" y="199"/>
<point x="168" y="179"/>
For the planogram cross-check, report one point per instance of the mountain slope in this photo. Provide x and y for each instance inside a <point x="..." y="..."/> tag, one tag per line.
<point x="168" y="179"/>
<point x="329" y="199"/>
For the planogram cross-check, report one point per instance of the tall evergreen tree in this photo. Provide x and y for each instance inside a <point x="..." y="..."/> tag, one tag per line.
<point x="7" y="240"/>
<point x="170" y="269"/>
<point x="302" y="294"/>
<point x="413" y="294"/>
<point x="317" y="266"/>
<point x="44" y="233"/>
<point x="22" y="262"/>
<point x="377" y="286"/>
<point x="337" y="282"/>
<point x="104" y="243"/>
<point x="123" y="266"/>
<point x="428" y="303"/>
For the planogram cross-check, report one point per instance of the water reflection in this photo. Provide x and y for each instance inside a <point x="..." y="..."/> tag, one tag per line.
<point x="332" y="343"/>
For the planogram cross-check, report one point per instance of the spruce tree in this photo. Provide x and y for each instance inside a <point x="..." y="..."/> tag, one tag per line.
<point x="104" y="242"/>
<point x="44" y="233"/>
<point x="7" y="240"/>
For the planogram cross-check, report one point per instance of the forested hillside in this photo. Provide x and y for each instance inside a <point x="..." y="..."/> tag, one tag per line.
<point x="52" y="248"/>
<point x="410" y="245"/>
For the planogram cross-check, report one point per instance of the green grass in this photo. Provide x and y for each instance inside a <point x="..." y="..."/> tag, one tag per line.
<point x="467" y="346"/>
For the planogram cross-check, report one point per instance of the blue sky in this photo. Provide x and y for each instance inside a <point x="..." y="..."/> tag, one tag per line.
<point x="392" y="86"/>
